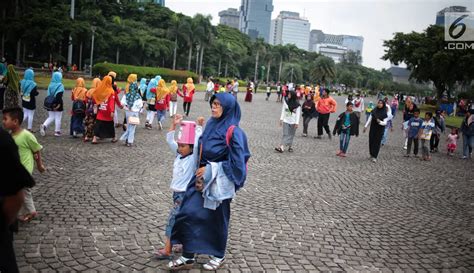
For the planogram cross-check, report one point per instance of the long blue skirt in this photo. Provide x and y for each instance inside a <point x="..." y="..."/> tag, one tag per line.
<point x="77" y="124"/>
<point x="201" y="230"/>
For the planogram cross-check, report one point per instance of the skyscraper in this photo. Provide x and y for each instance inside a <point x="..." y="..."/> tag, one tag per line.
<point x="290" y="28"/>
<point x="229" y="17"/>
<point x="441" y="14"/>
<point x="255" y="18"/>
<point x="335" y="44"/>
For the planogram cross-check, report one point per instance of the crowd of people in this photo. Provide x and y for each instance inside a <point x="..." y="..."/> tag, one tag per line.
<point x="379" y="118"/>
<point x="210" y="164"/>
<point x="209" y="168"/>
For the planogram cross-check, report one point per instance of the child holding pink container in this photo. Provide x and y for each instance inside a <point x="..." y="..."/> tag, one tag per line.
<point x="184" y="167"/>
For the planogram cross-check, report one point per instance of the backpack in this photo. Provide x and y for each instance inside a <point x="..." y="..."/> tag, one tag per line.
<point x="78" y="107"/>
<point x="49" y="102"/>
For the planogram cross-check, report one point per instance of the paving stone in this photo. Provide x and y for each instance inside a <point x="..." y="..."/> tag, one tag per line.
<point x="105" y="207"/>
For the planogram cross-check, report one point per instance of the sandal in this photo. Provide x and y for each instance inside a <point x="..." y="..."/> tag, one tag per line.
<point x="278" y="149"/>
<point x="181" y="263"/>
<point x="30" y="216"/>
<point x="114" y="140"/>
<point x="162" y="255"/>
<point x="214" y="263"/>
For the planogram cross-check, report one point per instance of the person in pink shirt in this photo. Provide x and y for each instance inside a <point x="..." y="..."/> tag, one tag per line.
<point x="451" y="141"/>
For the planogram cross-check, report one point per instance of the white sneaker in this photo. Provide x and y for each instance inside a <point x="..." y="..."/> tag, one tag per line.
<point x="405" y="147"/>
<point x="42" y="130"/>
<point x="374" y="160"/>
<point x="160" y="125"/>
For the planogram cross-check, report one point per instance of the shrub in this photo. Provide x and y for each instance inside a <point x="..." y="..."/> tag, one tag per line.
<point x="123" y="71"/>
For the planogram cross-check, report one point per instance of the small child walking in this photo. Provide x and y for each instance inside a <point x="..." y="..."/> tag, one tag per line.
<point x="29" y="150"/>
<point x="347" y="125"/>
<point x="184" y="167"/>
<point x="413" y="131"/>
<point x="269" y="92"/>
<point x="452" y="141"/>
<point x="426" y="131"/>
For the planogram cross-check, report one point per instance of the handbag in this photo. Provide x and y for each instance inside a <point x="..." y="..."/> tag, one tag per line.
<point x="134" y="120"/>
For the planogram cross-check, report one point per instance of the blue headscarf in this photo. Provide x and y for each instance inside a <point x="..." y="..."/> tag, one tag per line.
<point x="28" y="83"/>
<point x="132" y="94"/>
<point x="158" y="78"/>
<point x="3" y="69"/>
<point x="142" y="86"/>
<point x="214" y="145"/>
<point x="56" y="86"/>
<point x="152" y="84"/>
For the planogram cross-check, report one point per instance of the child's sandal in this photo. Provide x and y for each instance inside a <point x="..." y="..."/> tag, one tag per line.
<point x="214" y="264"/>
<point x="181" y="264"/>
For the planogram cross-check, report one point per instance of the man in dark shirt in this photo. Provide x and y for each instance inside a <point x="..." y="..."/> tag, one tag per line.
<point x="11" y="197"/>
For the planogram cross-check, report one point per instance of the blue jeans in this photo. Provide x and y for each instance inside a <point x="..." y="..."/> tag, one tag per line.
<point x="129" y="135"/>
<point x="161" y="114"/>
<point x="467" y="144"/>
<point x="177" y="199"/>
<point x="344" y="139"/>
<point x="385" y="135"/>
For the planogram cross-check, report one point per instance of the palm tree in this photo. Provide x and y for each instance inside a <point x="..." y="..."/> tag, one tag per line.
<point x="322" y="69"/>
<point x="174" y="29"/>
<point x="283" y="53"/>
<point x="187" y="30"/>
<point x="271" y="54"/>
<point x="259" y="47"/>
<point x="220" y="49"/>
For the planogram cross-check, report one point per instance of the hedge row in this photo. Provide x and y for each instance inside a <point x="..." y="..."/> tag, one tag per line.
<point x="123" y="71"/>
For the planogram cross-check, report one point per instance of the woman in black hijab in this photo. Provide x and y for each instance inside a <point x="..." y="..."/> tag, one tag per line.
<point x="289" y="119"/>
<point x="380" y="118"/>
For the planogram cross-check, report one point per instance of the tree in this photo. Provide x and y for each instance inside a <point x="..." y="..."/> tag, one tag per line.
<point x="174" y="32"/>
<point x="425" y="55"/>
<point x="352" y="57"/>
<point x="292" y="72"/>
<point x="322" y="69"/>
<point x="259" y="48"/>
<point x="348" y="78"/>
<point x="283" y="54"/>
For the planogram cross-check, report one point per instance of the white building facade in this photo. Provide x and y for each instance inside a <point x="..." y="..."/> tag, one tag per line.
<point x="290" y="28"/>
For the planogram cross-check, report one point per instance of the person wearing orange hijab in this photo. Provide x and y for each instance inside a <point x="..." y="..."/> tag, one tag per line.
<point x="187" y="95"/>
<point x="104" y="98"/>
<point x="162" y="102"/>
<point x="78" y="113"/>
<point x="90" y="115"/>
<point x="173" y="98"/>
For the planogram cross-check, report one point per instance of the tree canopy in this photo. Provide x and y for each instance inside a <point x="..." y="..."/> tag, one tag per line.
<point x="427" y="56"/>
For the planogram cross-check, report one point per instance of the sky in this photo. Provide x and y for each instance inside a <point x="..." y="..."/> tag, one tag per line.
<point x="375" y="20"/>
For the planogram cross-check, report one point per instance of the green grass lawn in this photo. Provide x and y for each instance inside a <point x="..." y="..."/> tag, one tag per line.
<point x="451" y="121"/>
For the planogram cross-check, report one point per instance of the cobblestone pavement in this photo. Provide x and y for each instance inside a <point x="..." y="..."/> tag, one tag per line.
<point x="104" y="207"/>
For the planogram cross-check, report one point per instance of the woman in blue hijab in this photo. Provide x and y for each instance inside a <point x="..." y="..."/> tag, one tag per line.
<point x="28" y="97"/>
<point x="55" y="89"/>
<point x="142" y="88"/>
<point x="150" y="100"/>
<point x="200" y="228"/>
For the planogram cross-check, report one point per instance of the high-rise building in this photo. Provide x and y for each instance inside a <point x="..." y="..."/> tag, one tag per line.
<point x="335" y="52"/>
<point x="159" y="2"/>
<point x="441" y="14"/>
<point x="290" y="28"/>
<point x="319" y="39"/>
<point x="255" y="18"/>
<point x="230" y="17"/>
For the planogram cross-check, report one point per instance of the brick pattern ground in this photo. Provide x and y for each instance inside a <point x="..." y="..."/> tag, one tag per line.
<point x="104" y="207"/>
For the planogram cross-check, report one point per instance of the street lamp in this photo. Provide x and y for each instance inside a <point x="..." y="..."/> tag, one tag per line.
<point x="93" y="28"/>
